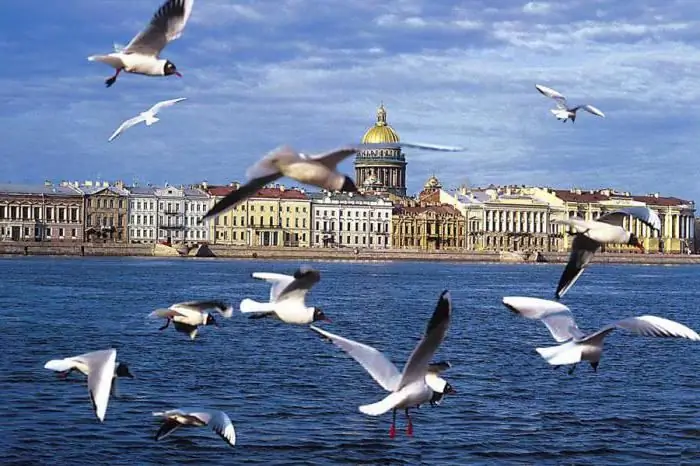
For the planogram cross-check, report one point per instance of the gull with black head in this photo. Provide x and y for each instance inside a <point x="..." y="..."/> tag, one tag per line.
<point x="218" y="421"/>
<point x="187" y="317"/>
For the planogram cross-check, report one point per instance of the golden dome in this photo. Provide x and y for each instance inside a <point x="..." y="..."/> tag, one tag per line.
<point x="381" y="132"/>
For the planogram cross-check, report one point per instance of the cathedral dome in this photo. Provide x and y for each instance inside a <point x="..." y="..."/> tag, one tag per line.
<point x="381" y="132"/>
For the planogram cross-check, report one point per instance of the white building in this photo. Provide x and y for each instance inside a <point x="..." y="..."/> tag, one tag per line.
<point x="350" y="220"/>
<point x="197" y="203"/>
<point x="143" y="214"/>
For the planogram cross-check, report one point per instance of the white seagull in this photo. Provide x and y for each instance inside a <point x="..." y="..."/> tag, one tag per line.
<point x="315" y="170"/>
<point x="141" y="55"/>
<point x="187" y="317"/>
<point x="196" y="417"/>
<point x="412" y="387"/>
<point x="564" y="112"/>
<point x="149" y="116"/>
<point x="287" y="298"/>
<point x="99" y="366"/>
<point x="590" y="235"/>
<point x="576" y="345"/>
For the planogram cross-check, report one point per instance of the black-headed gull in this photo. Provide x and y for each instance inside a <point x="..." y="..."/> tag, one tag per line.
<point x="187" y="317"/>
<point x="287" y="298"/>
<point x="563" y="112"/>
<point x="196" y="417"/>
<point x="576" y="345"/>
<point x="407" y="389"/>
<point x="100" y="367"/>
<point x="141" y="55"/>
<point x="318" y="170"/>
<point x="590" y="235"/>
<point x="149" y="116"/>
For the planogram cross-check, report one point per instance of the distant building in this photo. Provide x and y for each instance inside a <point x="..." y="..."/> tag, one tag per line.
<point x="197" y="203"/>
<point x="350" y="220"/>
<point x="274" y="216"/>
<point x="143" y="214"/>
<point x="381" y="170"/>
<point x="40" y="213"/>
<point x="179" y="211"/>
<point x="106" y="210"/>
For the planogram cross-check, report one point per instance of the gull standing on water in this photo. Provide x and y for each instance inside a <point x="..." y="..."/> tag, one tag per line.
<point x="149" y="116"/>
<point x="590" y="235"/>
<point x="196" y="417"/>
<point x="563" y="112"/>
<point x="187" y="317"/>
<point x="99" y="366"/>
<point x="287" y="298"/>
<point x="319" y="170"/>
<point x="576" y="346"/>
<point x="415" y="385"/>
<point x="141" y="55"/>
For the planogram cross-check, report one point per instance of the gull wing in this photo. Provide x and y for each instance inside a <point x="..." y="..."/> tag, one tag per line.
<point x="333" y="158"/>
<point x="582" y="251"/>
<point x="383" y="371"/>
<point x="169" y="426"/>
<point x="166" y="314"/>
<point x="589" y="109"/>
<point x="101" y="365"/>
<point x="643" y="214"/>
<point x="304" y="279"/>
<point x="240" y="194"/>
<point x="270" y="163"/>
<point x="278" y="281"/>
<point x="648" y="326"/>
<point x="433" y="147"/>
<point x="417" y="364"/>
<point x="557" y="317"/>
<point x="126" y="125"/>
<point x="200" y="306"/>
<point x="438" y="367"/>
<point x="60" y="365"/>
<point x="166" y="25"/>
<point x="164" y="104"/>
<point x="219" y="423"/>
<point x="552" y="94"/>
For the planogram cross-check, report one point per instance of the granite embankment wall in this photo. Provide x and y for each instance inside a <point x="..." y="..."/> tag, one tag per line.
<point x="107" y="249"/>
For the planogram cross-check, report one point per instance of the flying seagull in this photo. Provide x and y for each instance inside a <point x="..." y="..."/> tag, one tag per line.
<point x="318" y="170"/>
<point x="590" y="235"/>
<point x="149" y="116"/>
<point x="141" y="55"/>
<point x="411" y="387"/>
<point x="563" y="112"/>
<point x="187" y="317"/>
<point x="287" y="296"/>
<point x="100" y="368"/>
<point x="196" y="417"/>
<point x="576" y="346"/>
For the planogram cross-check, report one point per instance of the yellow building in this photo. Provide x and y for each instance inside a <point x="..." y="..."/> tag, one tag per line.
<point x="677" y="217"/>
<point x="277" y="217"/>
<point x="428" y="224"/>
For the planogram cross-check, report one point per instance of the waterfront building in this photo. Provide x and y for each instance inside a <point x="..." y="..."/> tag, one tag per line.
<point x="179" y="211"/>
<point x="197" y="203"/>
<point x="106" y="210"/>
<point x="143" y="214"/>
<point x="677" y="217"/>
<point x="40" y="213"/>
<point x="385" y="168"/>
<point x="350" y="220"/>
<point x="274" y="216"/>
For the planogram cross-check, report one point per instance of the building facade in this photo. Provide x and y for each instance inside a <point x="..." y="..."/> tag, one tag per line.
<point x="350" y="220"/>
<point x="197" y="203"/>
<point x="106" y="210"/>
<point x="143" y="214"/>
<point x="40" y="213"/>
<point x="384" y="170"/>
<point x="276" y="217"/>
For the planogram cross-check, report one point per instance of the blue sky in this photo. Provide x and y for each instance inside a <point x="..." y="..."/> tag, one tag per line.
<point x="311" y="73"/>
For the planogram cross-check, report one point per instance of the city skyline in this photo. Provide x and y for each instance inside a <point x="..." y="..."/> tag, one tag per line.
<point x="258" y="75"/>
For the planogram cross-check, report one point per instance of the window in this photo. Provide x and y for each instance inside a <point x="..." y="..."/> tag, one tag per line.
<point x="25" y="212"/>
<point x="73" y="215"/>
<point x="26" y="232"/>
<point x="49" y="214"/>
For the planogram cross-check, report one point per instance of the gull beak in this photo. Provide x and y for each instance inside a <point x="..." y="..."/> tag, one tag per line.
<point x="327" y="320"/>
<point x="178" y="74"/>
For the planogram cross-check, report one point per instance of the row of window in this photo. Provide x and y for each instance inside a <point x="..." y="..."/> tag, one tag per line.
<point x="387" y="214"/>
<point x="147" y="220"/>
<point x="98" y="220"/>
<point x="18" y="233"/>
<point x="105" y="203"/>
<point x="365" y="240"/>
<point x="271" y="208"/>
<point x="271" y="221"/>
<point x="372" y="226"/>
<point x="50" y="214"/>
<point x="139" y="233"/>
<point x="170" y="206"/>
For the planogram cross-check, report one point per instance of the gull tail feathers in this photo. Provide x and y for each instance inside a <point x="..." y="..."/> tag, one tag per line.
<point x="249" y="305"/>
<point x="59" y="365"/>
<point x="158" y="313"/>
<point x="568" y="353"/>
<point x="382" y="406"/>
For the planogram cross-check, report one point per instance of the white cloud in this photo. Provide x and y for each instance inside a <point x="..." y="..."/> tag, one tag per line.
<point x="537" y="8"/>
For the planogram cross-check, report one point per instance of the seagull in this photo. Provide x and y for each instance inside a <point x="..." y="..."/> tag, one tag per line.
<point x="187" y="317"/>
<point x="410" y="388"/>
<point x="149" y="116"/>
<point x="563" y="112"/>
<point x="318" y="170"/>
<point x="576" y="346"/>
<point x="100" y="368"/>
<point x="590" y="235"/>
<point x="196" y="417"/>
<point x="141" y="55"/>
<point x="287" y="296"/>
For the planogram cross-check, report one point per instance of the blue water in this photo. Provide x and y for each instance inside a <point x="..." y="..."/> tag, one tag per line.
<point x="293" y="398"/>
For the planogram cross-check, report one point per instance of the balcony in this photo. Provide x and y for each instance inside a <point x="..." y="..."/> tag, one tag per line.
<point x="171" y="212"/>
<point x="172" y="227"/>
